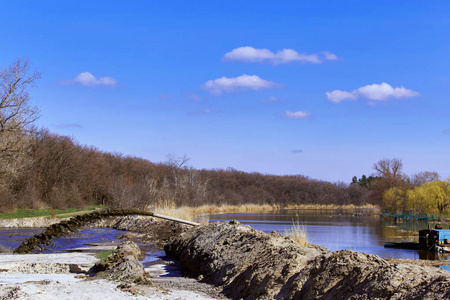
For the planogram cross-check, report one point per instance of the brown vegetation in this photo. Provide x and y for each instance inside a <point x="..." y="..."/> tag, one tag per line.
<point x="62" y="173"/>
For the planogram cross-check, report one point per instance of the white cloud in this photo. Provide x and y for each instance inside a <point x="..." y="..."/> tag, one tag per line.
<point x="248" y="54"/>
<point x="284" y="56"/>
<point x="330" y="56"/>
<point x="298" y="115"/>
<point x="337" y="96"/>
<point x="237" y="84"/>
<point x="384" y="91"/>
<point x="87" y="79"/>
<point x="379" y="92"/>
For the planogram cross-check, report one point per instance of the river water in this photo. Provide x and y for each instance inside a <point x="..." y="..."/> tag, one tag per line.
<point x="11" y="238"/>
<point x="342" y="229"/>
<point x="332" y="229"/>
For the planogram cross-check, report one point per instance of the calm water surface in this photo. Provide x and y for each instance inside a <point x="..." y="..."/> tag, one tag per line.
<point x="11" y="238"/>
<point x="333" y="229"/>
<point x="341" y="229"/>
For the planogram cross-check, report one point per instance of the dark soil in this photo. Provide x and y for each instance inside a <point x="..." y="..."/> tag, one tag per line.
<point x="249" y="264"/>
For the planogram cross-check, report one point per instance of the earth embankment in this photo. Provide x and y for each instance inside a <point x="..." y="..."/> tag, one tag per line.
<point x="250" y="264"/>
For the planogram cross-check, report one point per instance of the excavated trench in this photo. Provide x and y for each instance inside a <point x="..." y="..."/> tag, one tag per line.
<point x="249" y="264"/>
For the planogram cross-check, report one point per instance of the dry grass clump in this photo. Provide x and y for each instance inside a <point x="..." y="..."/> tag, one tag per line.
<point x="298" y="234"/>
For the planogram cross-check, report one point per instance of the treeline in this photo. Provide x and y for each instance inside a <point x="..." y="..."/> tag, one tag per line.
<point x="430" y="198"/>
<point x="57" y="171"/>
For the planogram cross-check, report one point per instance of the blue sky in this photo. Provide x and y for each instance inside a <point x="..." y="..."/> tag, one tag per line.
<point x="319" y="88"/>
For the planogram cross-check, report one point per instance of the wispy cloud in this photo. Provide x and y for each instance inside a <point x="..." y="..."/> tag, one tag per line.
<point x="72" y="125"/>
<point x="238" y="84"/>
<point x="297" y="151"/>
<point x="193" y="96"/>
<point x="87" y="79"/>
<point x="447" y="131"/>
<point x="330" y="56"/>
<point x="271" y="99"/>
<point x="202" y="112"/>
<point x="298" y="115"/>
<point x="165" y="96"/>
<point x="283" y="56"/>
<point x="379" y="92"/>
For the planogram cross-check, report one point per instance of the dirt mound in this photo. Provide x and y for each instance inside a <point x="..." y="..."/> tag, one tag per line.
<point x="246" y="262"/>
<point x="250" y="264"/>
<point x="347" y="274"/>
<point x="124" y="265"/>
<point x="131" y="223"/>
<point x="144" y="228"/>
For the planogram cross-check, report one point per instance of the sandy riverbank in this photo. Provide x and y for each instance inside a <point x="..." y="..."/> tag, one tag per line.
<point x="63" y="276"/>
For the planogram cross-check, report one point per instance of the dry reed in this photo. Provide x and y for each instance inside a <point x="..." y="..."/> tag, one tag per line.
<point x="191" y="213"/>
<point x="298" y="234"/>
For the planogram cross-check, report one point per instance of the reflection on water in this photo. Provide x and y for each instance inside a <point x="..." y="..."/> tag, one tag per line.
<point x="341" y="229"/>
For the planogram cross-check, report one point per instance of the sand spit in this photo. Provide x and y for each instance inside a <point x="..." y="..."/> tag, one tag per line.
<point x="250" y="264"/>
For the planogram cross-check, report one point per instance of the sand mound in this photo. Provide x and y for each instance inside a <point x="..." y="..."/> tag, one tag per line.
<point x="250" y="264"/>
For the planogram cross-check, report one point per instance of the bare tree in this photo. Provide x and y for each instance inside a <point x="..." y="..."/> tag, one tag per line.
<point x="389" y="168"/>
<point x="422" y="177"/>
<point x="16" y="113"/>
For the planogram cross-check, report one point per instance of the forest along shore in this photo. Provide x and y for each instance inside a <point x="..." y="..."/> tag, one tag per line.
<point x="245" y="263"/>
